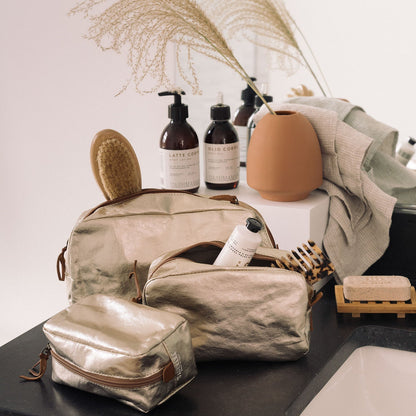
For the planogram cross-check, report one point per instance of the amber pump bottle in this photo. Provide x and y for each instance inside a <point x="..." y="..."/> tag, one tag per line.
<point x="240" y="120"/>
<point x="221" y="150"/>
<point x="179" y="149"/>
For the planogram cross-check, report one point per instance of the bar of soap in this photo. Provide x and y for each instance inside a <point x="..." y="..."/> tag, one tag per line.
<point x="376" y="288"/>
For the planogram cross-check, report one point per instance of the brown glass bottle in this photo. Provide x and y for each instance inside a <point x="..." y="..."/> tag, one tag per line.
<point x="240" y="120"/>
<point x="221" y="150"/>
<point x="179" y="149"/>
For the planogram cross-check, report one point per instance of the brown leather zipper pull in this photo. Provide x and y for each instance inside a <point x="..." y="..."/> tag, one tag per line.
<point x="39" y="369"/>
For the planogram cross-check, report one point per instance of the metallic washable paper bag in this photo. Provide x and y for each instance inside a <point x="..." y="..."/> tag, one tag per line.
<point x="116" y="348"/>
<point x="259" y="312"/>
<point x="119" y="236"/>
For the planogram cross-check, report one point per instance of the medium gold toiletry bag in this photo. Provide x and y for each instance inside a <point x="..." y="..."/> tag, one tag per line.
<point x="120" y="349"/>
<point x="107" y="240"/>
<point x="258" y="312"/>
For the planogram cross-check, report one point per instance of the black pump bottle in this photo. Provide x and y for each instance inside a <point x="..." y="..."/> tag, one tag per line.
<point x="221" y="150"/>
<point x="179" y="149"/>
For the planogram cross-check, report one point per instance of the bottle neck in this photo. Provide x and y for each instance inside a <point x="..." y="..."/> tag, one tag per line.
<point x="179" y="121"/>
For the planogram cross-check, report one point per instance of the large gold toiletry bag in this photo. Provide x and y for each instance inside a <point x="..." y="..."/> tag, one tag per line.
<point x="258" y="312"/>
<point x="120" y="349"/>
<point x="107" y="240"/>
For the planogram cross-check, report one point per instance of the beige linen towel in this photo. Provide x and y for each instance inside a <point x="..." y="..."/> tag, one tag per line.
<point x="357" y="233"/>
<point x="380" y="162"/>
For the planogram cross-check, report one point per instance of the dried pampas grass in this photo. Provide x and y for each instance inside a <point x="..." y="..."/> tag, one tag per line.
<point x="266" y="23"/>
<point x="301" y="91"/>
<point x="144" y="28"/>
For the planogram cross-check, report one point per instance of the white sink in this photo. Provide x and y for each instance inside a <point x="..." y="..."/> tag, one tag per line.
<point x="372" y="381"/>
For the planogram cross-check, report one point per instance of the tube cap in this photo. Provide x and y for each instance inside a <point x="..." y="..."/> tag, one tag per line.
<point x="220" y="112"/>
<point x="253" y="225"/>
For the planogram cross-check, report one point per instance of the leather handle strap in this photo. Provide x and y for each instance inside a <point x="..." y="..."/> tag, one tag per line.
<point x="61" y="265"/>
<point x="137" y="299"/>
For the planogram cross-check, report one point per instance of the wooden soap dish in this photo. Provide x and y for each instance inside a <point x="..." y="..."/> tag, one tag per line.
<point x="358" y="307"/>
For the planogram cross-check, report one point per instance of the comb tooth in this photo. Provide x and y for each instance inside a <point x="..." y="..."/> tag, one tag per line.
<point x="286" y="263"/>
<point x="306" y="258"/>
<point x="290" y="258"/>
<point x="300" y="260"/>
<point x="312" y="254"/>
<point x="280" y="264"/>
<point x="322" y="255"/>
<point x="317" y="250"/>
<point x="296" y="254"/>
<point x="296" y="266"/>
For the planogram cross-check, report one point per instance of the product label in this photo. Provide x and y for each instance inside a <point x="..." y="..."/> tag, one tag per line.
<point x="237" y="251"/>
<point x="180" y="168"/>
<point x="242" y="132"/>
<point x="243" y="254"/>
<point x="222" y="162"/>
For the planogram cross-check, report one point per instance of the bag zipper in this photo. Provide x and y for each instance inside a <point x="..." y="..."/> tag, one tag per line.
<point x="223" y="197"/>
<point x="312" y="297"/>
<point x="230" y="198"/>
<point x="218" y="244"/>
<point x="165" y="374"/>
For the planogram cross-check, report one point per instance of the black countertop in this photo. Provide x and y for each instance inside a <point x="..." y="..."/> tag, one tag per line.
<point x="221" y="388"/>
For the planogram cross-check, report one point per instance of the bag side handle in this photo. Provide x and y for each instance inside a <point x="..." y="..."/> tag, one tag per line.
<point x="61" y="264"/>
<point x="138" y="298"/>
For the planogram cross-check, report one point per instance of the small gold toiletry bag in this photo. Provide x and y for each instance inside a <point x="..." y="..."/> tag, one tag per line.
<point x="117" y="348"/>
<point x="109" y="240"/>
<point x="258" y="312"/>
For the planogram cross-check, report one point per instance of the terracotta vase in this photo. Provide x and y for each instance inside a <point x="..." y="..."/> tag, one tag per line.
<point x="284" y="161"/>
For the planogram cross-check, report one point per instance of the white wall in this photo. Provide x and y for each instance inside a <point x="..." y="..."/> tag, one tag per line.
<point x="367" y="50"/>
<point x="57" y="91"/>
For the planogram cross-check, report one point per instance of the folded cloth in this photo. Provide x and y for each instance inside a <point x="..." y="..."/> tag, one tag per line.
<point x="379" y="162"/>
<point x="360" y="212"/>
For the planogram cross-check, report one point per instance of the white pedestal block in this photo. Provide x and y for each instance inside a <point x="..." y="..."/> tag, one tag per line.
<point x="291" y="223"/>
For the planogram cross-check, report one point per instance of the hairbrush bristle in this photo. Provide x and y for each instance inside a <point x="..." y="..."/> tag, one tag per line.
<point x="117" y="169"/>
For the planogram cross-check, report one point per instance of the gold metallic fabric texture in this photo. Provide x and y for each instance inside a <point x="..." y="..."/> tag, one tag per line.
<point x="117" y="348"/>
<point x="106" y="241"/>
<point x="256" y="312"/>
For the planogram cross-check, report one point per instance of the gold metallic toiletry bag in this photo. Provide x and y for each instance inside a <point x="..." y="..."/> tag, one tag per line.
<point x="120" y="349"/>
<point x="107" y="240"/>
<point x="258" y="312"/>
